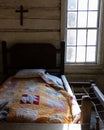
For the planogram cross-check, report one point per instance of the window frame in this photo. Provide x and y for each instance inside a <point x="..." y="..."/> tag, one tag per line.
<point x="82" y="67"/>
<point x="86" y="29"/>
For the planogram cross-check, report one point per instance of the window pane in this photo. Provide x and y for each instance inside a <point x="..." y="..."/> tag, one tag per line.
<point x="93" y="4"/>
<point x="82" y="4"/>
<point x="91" y="54"/>
<point x="71" y="21"/>
<point x="92" y="19"/>
<point x="92" y="35"/>
<point x="80" y="54"/>
<point x="82" y="30"/>
<point x="71" y="37"/>
<point x="72" y="4"/>
<point x="70" y="54"/>
<point x="81" y="39"/>
<point x="82" y="19"/>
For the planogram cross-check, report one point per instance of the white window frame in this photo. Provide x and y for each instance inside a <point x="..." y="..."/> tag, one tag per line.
<point x="84" y="68"/>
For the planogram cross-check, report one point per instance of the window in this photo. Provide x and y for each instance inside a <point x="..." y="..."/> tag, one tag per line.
<point x="82" y="31"/>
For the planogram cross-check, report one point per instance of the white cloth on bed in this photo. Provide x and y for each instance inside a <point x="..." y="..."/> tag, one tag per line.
<point x="52" y="80"/>
<point x="29" y="73"/>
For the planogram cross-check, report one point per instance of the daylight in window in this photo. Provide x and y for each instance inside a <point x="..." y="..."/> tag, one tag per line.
<point x="82" y="31"/>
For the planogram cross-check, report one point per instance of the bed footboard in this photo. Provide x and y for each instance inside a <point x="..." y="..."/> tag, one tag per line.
<point x="86" y="111"/>
<point x="91" y="102"/>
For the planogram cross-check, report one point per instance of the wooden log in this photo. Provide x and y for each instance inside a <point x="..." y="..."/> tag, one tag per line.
<point x="34" y="13"/>
<point x="30" y="36"/>
<point x="29" y="24"/>
<point x="33" y="3"/>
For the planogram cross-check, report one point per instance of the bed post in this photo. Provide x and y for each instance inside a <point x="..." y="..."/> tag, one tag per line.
<point x="98" y="93"/>
<point x="62" y="57"/>
<point x="86" y="112"/>
<point x="4" y="57"/>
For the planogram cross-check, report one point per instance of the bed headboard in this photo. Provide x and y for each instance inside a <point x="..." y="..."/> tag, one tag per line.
<point x="33" y="55"/>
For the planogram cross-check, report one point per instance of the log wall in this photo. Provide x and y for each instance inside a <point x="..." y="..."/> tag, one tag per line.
<point x="40" y="23"/>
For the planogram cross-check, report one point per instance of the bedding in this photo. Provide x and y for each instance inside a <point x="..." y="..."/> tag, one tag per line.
<point x="39" y="99"/>
<point x="28" y="73"/>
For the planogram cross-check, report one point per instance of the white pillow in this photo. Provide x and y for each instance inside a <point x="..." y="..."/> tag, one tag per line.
<point x="52" y="80"/>
<point x="29" y="73"/>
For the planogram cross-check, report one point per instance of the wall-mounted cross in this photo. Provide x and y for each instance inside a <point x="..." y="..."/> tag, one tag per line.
<point x="21" y="11"/>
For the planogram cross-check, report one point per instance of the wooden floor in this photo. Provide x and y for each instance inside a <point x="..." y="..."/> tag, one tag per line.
<point x="81" y="89"/>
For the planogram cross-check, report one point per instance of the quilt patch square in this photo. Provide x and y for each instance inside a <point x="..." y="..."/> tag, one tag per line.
<point x="29" y="99"/>
<point x="27" y="113"/>
<point x="12" y="84"/>
<point x="55" y="104"/>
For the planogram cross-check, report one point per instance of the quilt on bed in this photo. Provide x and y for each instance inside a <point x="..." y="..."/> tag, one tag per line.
<point x="34" y="100"/>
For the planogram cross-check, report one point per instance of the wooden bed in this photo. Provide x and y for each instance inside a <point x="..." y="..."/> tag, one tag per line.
<point x="97" y="98"/>
<point x="40" y="56"/>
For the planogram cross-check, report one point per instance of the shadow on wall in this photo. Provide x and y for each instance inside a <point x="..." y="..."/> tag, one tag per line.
<point x="0" y="59"/>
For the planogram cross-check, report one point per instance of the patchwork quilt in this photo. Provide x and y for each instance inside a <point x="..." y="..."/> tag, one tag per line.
<point x="34" y="100"/>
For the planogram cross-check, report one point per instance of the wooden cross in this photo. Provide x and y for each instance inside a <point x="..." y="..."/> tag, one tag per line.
<point x="21" y="11"/>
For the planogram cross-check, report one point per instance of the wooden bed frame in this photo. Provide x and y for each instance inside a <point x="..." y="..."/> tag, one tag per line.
<point x="33" y="55"/>
<point x="97" y="98"/>
<point x="36" y="55"/>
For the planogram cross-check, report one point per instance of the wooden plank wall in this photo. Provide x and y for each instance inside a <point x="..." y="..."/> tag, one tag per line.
<point x="41" y="23"/>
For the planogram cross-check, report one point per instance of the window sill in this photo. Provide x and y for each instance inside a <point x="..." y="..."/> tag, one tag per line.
<point x="84" y="69"/>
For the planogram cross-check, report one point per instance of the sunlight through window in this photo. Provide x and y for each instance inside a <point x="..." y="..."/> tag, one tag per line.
<point x="82" y="31"/>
